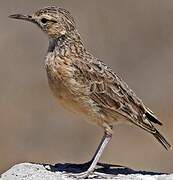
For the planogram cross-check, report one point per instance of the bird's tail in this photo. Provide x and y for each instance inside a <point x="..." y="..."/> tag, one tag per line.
<point x="151" y="117"/>
<point x="161" y="139"/>
<point x="149" y="127"/>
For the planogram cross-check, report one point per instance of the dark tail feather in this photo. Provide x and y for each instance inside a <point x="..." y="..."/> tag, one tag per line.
<point x="162" y="140"/>
<point x="148" y="126"/>
<point x="152" y="118"/>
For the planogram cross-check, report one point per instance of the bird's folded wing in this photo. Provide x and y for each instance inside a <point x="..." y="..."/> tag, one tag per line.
<point x="113" y="95"/>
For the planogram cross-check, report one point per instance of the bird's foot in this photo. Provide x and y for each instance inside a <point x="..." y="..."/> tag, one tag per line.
<point x="82" y="175"/>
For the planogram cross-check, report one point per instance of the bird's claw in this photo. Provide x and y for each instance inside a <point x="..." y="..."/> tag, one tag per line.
<point x="83" y="175"/>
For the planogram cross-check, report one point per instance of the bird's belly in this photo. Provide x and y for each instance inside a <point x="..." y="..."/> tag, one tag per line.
<point x="80" y="105"/>
<point x="65" y="97"/>
<point x="62" y="88"/>
<point x="73" y="97"/>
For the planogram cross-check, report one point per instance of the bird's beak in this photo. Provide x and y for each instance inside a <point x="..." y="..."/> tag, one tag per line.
<point x="22" y="17"/>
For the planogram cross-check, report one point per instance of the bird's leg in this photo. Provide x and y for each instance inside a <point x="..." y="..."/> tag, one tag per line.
<point x="105" y="140"/>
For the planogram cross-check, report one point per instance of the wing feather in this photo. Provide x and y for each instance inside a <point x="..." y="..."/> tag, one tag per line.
<point x="108" y="90"/>
<point x="112" y="95"/>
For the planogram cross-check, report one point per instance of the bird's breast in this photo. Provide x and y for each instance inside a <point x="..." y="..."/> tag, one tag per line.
<point x="59" y="71"/>
<point x="66" y="89"/>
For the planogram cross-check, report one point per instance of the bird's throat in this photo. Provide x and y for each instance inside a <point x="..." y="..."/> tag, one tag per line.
<point x="67" y="45"/>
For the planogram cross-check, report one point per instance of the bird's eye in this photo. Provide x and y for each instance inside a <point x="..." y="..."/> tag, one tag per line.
<point x="44" y="20"/>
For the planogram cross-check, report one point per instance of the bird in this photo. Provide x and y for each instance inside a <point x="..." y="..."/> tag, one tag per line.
<point x="85" y="85"/>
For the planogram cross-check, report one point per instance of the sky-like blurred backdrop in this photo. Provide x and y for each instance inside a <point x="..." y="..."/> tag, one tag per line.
<point x="134" y="37"/>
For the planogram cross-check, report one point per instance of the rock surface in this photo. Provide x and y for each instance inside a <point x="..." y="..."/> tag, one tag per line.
<point x="29" y="171"/>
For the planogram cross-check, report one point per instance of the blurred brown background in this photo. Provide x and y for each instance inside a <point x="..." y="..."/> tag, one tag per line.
<point x="134" y="37"/>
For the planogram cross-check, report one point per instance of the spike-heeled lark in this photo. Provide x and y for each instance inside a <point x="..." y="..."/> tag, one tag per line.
<point x="84" y="84"/>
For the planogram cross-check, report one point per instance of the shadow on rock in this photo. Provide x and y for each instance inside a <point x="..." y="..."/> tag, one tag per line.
<point x="101" y="167"/>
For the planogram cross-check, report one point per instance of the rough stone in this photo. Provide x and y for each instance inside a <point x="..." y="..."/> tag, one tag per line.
<point x="29" y="171"/>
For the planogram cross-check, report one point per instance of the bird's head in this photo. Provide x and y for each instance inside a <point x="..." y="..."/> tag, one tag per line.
<point x="54" y="21"/>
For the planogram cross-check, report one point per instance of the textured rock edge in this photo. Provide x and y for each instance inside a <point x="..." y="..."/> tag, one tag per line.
<point x="29" y="171"/>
